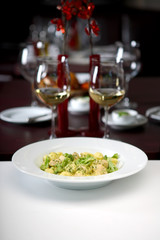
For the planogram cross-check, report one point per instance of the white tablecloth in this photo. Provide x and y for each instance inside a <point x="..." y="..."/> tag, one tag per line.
<point x="126" y="209"/>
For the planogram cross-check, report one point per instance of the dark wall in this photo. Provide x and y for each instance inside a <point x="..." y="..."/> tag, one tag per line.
<point x="144" y="27"/>
<point x="117" y="22"/>
<point x="18" y="15"/>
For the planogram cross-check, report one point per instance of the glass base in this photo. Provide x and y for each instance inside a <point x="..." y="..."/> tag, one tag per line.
<point x="107" y="136"/>
<point x="34" y="103"/>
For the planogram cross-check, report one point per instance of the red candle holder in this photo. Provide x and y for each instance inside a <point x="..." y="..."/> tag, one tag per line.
<point x="94" y="114"/>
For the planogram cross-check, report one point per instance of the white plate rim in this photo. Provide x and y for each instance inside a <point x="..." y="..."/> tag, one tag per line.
<point x="150" y="112"/>
<point x="28" y="161"/>
<point x="4" y="115"/>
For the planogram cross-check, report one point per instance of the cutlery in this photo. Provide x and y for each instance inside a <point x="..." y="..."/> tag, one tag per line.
<point x="33" y="119"/>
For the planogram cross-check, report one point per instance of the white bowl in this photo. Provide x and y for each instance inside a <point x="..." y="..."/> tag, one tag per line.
<point x="29" y="158"/>
<point x="124" y="116"/>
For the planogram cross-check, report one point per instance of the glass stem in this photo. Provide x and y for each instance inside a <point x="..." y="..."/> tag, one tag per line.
<point x="127" y="85"/>
<point x="106" y="131"/>
<point x="53" y="135"/>
<point x="126" y="98"/>
<point x="33" y="97"/>
<point x="34" y="100"/>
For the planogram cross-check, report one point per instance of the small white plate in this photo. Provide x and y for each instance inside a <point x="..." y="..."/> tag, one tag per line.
<point x="154" y="113"/>
<point x="29" y="158"/>
<point x="22" y="114"/>
<point x="124" y="116"/>
<point x="140" y="121"/>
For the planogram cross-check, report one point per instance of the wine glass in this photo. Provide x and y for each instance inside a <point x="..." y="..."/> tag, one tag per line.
<point x="27" y="66"/>
<point x="107" y="86"/>
<point x="52" y="84"/>
<point x="132" y="65"/>
<point x="28" y="61"/>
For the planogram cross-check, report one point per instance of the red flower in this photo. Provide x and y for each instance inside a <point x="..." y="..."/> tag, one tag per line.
<point x="82" y="8"/>
<point x="70" y="8"/>
<point x="93" y="27"/>
<point x="67" y="9"/>
<point x="59" y="24"/>
<point x="82" y="12"/>
<point x="87" y="31"/>
<point x="90" y="9"/>
<point x="76" y="5"/>
<point x="85" y="12"/>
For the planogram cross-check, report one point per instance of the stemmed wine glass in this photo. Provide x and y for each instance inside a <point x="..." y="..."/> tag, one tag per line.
<point x="132" y="65"/>
<point x="27" y="66"/>
<point x="107" y="86"/>
<point x="52" y="84"/>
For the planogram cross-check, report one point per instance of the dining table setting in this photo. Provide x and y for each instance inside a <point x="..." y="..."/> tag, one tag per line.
<point x="19" y="128"/>
<point x="39" y="203"/>
<point x="79" y="138"/>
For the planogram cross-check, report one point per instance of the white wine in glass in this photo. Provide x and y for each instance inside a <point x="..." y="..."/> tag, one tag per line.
<point x="107" y="86"/>
<point x="52" y="84"/>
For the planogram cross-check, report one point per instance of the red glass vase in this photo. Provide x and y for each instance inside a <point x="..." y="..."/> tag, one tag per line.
<point x="62" y="109"/>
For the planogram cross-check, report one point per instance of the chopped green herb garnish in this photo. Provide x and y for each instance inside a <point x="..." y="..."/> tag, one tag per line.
<point x="123" y="114"/>
<point x="84" y="164"/>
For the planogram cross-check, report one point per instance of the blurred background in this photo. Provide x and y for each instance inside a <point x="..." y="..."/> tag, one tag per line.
<point x="124" y="21"/>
